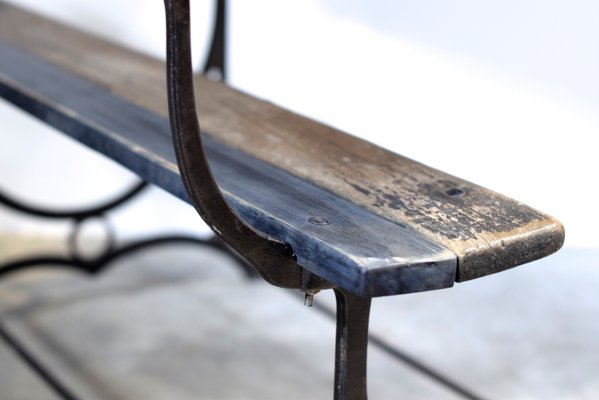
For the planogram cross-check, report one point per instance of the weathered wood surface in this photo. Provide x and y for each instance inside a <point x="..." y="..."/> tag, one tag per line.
<point x="341" y="242"/>
<point x="487" y="231"/>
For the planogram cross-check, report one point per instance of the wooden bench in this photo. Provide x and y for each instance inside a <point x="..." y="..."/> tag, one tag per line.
<point x="352" y="216"/>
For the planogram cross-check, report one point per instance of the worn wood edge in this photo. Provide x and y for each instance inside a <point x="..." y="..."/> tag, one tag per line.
<point x="480" y="254"/>
<point x="542" y="236"/>
<point x="513" y="251"/>
<point x="428" y="274"/>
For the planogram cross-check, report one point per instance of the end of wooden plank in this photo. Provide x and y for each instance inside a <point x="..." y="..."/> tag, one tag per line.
<point x="530" y="242"/>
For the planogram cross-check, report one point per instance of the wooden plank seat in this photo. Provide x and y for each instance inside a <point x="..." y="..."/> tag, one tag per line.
<point x="365" y="219"/>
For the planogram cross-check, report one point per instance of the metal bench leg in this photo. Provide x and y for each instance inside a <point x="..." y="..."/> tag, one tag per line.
<point x="351" y="346"/>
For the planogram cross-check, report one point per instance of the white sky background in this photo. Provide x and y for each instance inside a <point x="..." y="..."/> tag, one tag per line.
<point x="504" y="94"/>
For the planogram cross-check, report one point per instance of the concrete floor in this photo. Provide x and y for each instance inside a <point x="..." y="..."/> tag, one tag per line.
<point x="181" y="322"/>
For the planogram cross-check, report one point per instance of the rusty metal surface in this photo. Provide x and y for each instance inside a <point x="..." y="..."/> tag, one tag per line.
<point x="272" y="258"/>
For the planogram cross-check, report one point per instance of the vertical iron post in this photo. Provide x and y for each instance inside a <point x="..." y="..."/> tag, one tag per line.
<point x="351" y="346"/>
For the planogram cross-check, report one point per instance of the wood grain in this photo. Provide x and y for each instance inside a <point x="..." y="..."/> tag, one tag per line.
<point x="487" y="231"/>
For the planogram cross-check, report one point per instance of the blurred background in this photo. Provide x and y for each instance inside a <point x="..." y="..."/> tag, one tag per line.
<point x="504" y="94"/>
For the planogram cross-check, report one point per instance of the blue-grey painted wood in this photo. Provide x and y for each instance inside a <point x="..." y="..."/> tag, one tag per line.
<point x="358" y="250"/>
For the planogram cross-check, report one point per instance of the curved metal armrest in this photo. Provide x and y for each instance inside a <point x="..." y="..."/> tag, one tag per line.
<point x="272" y="258"/>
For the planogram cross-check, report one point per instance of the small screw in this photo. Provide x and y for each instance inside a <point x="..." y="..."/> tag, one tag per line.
<point x="319" y="221"/>
<point x="308" y="299"/>
<point x="309" y="296"/>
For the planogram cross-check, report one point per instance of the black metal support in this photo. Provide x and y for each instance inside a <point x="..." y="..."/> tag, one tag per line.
<point x="411" y="362"/>
<point x="78" y="214"/>
<point x="101" y="263"/>
<point x="36" y="365"/>
<point x="271" y="257"/>
<point x="265" y="253"/>
<point x="111" y="252"/>
<point x="353" y="313"/>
